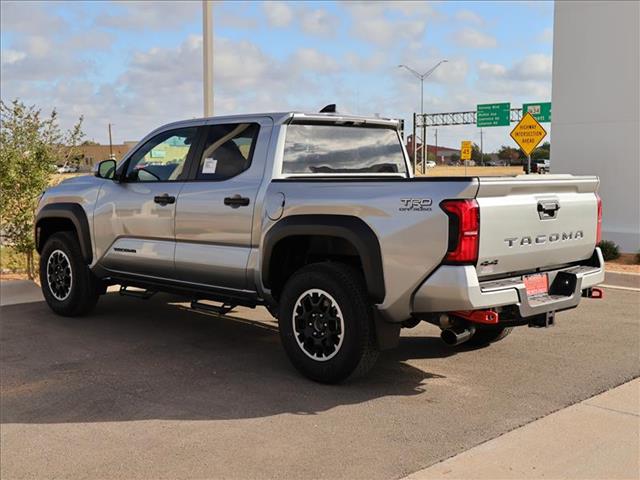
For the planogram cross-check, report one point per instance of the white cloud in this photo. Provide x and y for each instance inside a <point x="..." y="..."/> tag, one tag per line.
<point x="318" y="22"/>
<point x="309" y="59"/>
<point x="453" y="72"/>
<point x="368" y="64"/>
<point x="9" y="56"/>
<point x="529" y="77"/>
<point x="492" y="69"/>
<point x="532" y="67"/>
<point x="143" y="15"/>
<point x="469" y="17"/>
<point x="472" y="38"/>
<point x="279" y="14"/>
<point x="371" y="22"/>
<point x="30" y="18"/>
<point x="38" y="46"/>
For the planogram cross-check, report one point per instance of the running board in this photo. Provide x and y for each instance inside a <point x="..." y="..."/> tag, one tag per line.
<point x="143" y="294"/>
<point x="220" y="310"/>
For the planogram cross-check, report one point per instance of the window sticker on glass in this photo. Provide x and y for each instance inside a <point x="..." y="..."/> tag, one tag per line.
<point x="209" y="165"/>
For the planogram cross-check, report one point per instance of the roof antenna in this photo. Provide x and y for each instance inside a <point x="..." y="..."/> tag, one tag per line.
<point x="331" y="108"/>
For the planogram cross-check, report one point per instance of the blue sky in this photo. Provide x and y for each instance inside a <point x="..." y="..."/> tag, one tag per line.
<point x="138" y="64"/>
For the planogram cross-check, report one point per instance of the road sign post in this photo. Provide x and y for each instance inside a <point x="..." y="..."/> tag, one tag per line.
<point x="528" y="134"/>
<point x="466" y="148"/>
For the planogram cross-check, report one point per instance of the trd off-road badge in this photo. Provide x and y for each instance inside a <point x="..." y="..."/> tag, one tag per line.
<point x="415" y="205"/>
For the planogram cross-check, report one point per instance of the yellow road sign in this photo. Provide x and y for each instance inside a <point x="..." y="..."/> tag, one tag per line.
<point x="528" y="133"/>
<point x="465" y="150"/>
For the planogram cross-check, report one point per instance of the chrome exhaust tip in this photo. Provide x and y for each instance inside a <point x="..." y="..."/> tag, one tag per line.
<point x="456" y="335"/>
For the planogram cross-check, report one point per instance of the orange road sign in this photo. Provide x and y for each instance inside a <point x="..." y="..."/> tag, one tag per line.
<point x="528" y="133"/>
<point x="465" y="150"/>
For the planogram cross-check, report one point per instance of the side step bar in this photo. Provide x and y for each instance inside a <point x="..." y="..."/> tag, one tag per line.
<point x="143" y="294"/>
<point x="218" y="309"/>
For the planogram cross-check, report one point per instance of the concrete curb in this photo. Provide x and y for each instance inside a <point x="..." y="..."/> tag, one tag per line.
<point x="596" y="438"/>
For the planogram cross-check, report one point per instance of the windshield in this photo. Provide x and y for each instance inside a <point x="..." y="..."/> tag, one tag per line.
<point x="336" y="149"/>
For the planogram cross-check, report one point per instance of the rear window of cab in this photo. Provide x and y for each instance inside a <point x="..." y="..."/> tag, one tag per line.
<point x="338" y="149"/>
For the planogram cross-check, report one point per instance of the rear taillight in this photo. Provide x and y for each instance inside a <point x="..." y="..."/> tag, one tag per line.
<point x="599" y="227"/>
<point x="464" y="227"/>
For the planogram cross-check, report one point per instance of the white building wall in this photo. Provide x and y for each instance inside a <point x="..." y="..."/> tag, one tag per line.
<point x="596" y="106"/>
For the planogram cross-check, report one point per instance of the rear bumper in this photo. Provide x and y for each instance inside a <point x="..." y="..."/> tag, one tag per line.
<point x="452" y="288"/>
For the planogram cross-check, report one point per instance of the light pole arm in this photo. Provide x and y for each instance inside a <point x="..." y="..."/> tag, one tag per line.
<point x="411" y="70"/>
<point x="433" y="69"/>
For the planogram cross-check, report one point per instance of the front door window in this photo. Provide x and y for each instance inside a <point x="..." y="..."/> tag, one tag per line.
<point x="162" y="159"/>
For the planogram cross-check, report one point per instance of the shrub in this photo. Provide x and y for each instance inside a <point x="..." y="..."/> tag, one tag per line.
<point x="638" y="257"/>
<point x="610" y="251"/>
<point x="12" y="261"/>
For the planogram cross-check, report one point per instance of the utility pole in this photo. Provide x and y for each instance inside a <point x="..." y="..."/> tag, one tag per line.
<point x="207" y="56"/>
<point x="422" y="77"/>
<point x="436" y="146"/>
<point x="415" y="145"/>
<point x="110" y="144"/>
<point x="424" y="144"/>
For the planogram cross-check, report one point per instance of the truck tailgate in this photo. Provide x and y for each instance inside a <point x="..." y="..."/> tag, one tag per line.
<point x="529" y="222"/>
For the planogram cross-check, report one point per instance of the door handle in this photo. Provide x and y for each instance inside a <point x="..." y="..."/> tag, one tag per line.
<point x="164" y="199"/>
<point x="236" y="201"/>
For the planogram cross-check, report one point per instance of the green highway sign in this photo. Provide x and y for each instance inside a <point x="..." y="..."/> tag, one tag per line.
<point x="493" y="115"/>
<point x="540" y="111"/>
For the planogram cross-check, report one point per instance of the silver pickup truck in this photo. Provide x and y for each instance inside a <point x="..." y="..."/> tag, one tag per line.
<point x="319" y="218"/>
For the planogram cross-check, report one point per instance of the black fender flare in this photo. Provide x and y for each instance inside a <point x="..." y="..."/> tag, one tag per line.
<point x="68" y="211"/>
<point x="350" y="228"/>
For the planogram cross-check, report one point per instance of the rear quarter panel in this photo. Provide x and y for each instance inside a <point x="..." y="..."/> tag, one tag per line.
<point x="412" y="241"/>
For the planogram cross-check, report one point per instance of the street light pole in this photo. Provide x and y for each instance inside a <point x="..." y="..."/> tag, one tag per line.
<point x="110" y="145"/>
<point x="207" y="57"/>
<point x="422" y="77"/>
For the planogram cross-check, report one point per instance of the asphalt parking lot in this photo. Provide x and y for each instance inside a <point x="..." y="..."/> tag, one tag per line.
<point x="150" y="389"/>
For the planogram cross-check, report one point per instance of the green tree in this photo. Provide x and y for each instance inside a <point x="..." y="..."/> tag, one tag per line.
<point x="542" y="152"/>
<point x="30" y="146"/>
<point x="510" y="155"/>
<point x="476" y="156"/>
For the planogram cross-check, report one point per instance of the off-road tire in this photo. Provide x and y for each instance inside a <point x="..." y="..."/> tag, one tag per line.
<point x="84" y="286"/>
<point x="358" y="351"/>
<point x="485" y="336"/>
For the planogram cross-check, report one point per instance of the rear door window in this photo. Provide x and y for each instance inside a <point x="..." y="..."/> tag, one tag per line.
<point x="335" y="149"/>
<point x="227" y="151"/>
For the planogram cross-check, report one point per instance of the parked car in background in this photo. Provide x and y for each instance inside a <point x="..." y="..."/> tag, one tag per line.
<point x="67" y="169"/>
<point x="430" y="164"/>
<point x="541" y="166"/>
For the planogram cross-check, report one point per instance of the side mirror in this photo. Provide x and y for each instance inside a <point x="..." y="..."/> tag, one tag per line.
<point x="106" y="169"/>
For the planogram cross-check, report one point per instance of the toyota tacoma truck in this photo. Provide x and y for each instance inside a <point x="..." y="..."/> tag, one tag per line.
<point x="318" y="217"/>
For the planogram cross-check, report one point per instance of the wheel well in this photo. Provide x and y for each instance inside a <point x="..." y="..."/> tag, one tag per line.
<point x="294" y="252"/>
<point x="48" y="226"/>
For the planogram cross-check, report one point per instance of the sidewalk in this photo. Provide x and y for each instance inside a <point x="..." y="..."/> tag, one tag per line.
<point x="598" y="438"/>
<point x="13" y="292"/>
